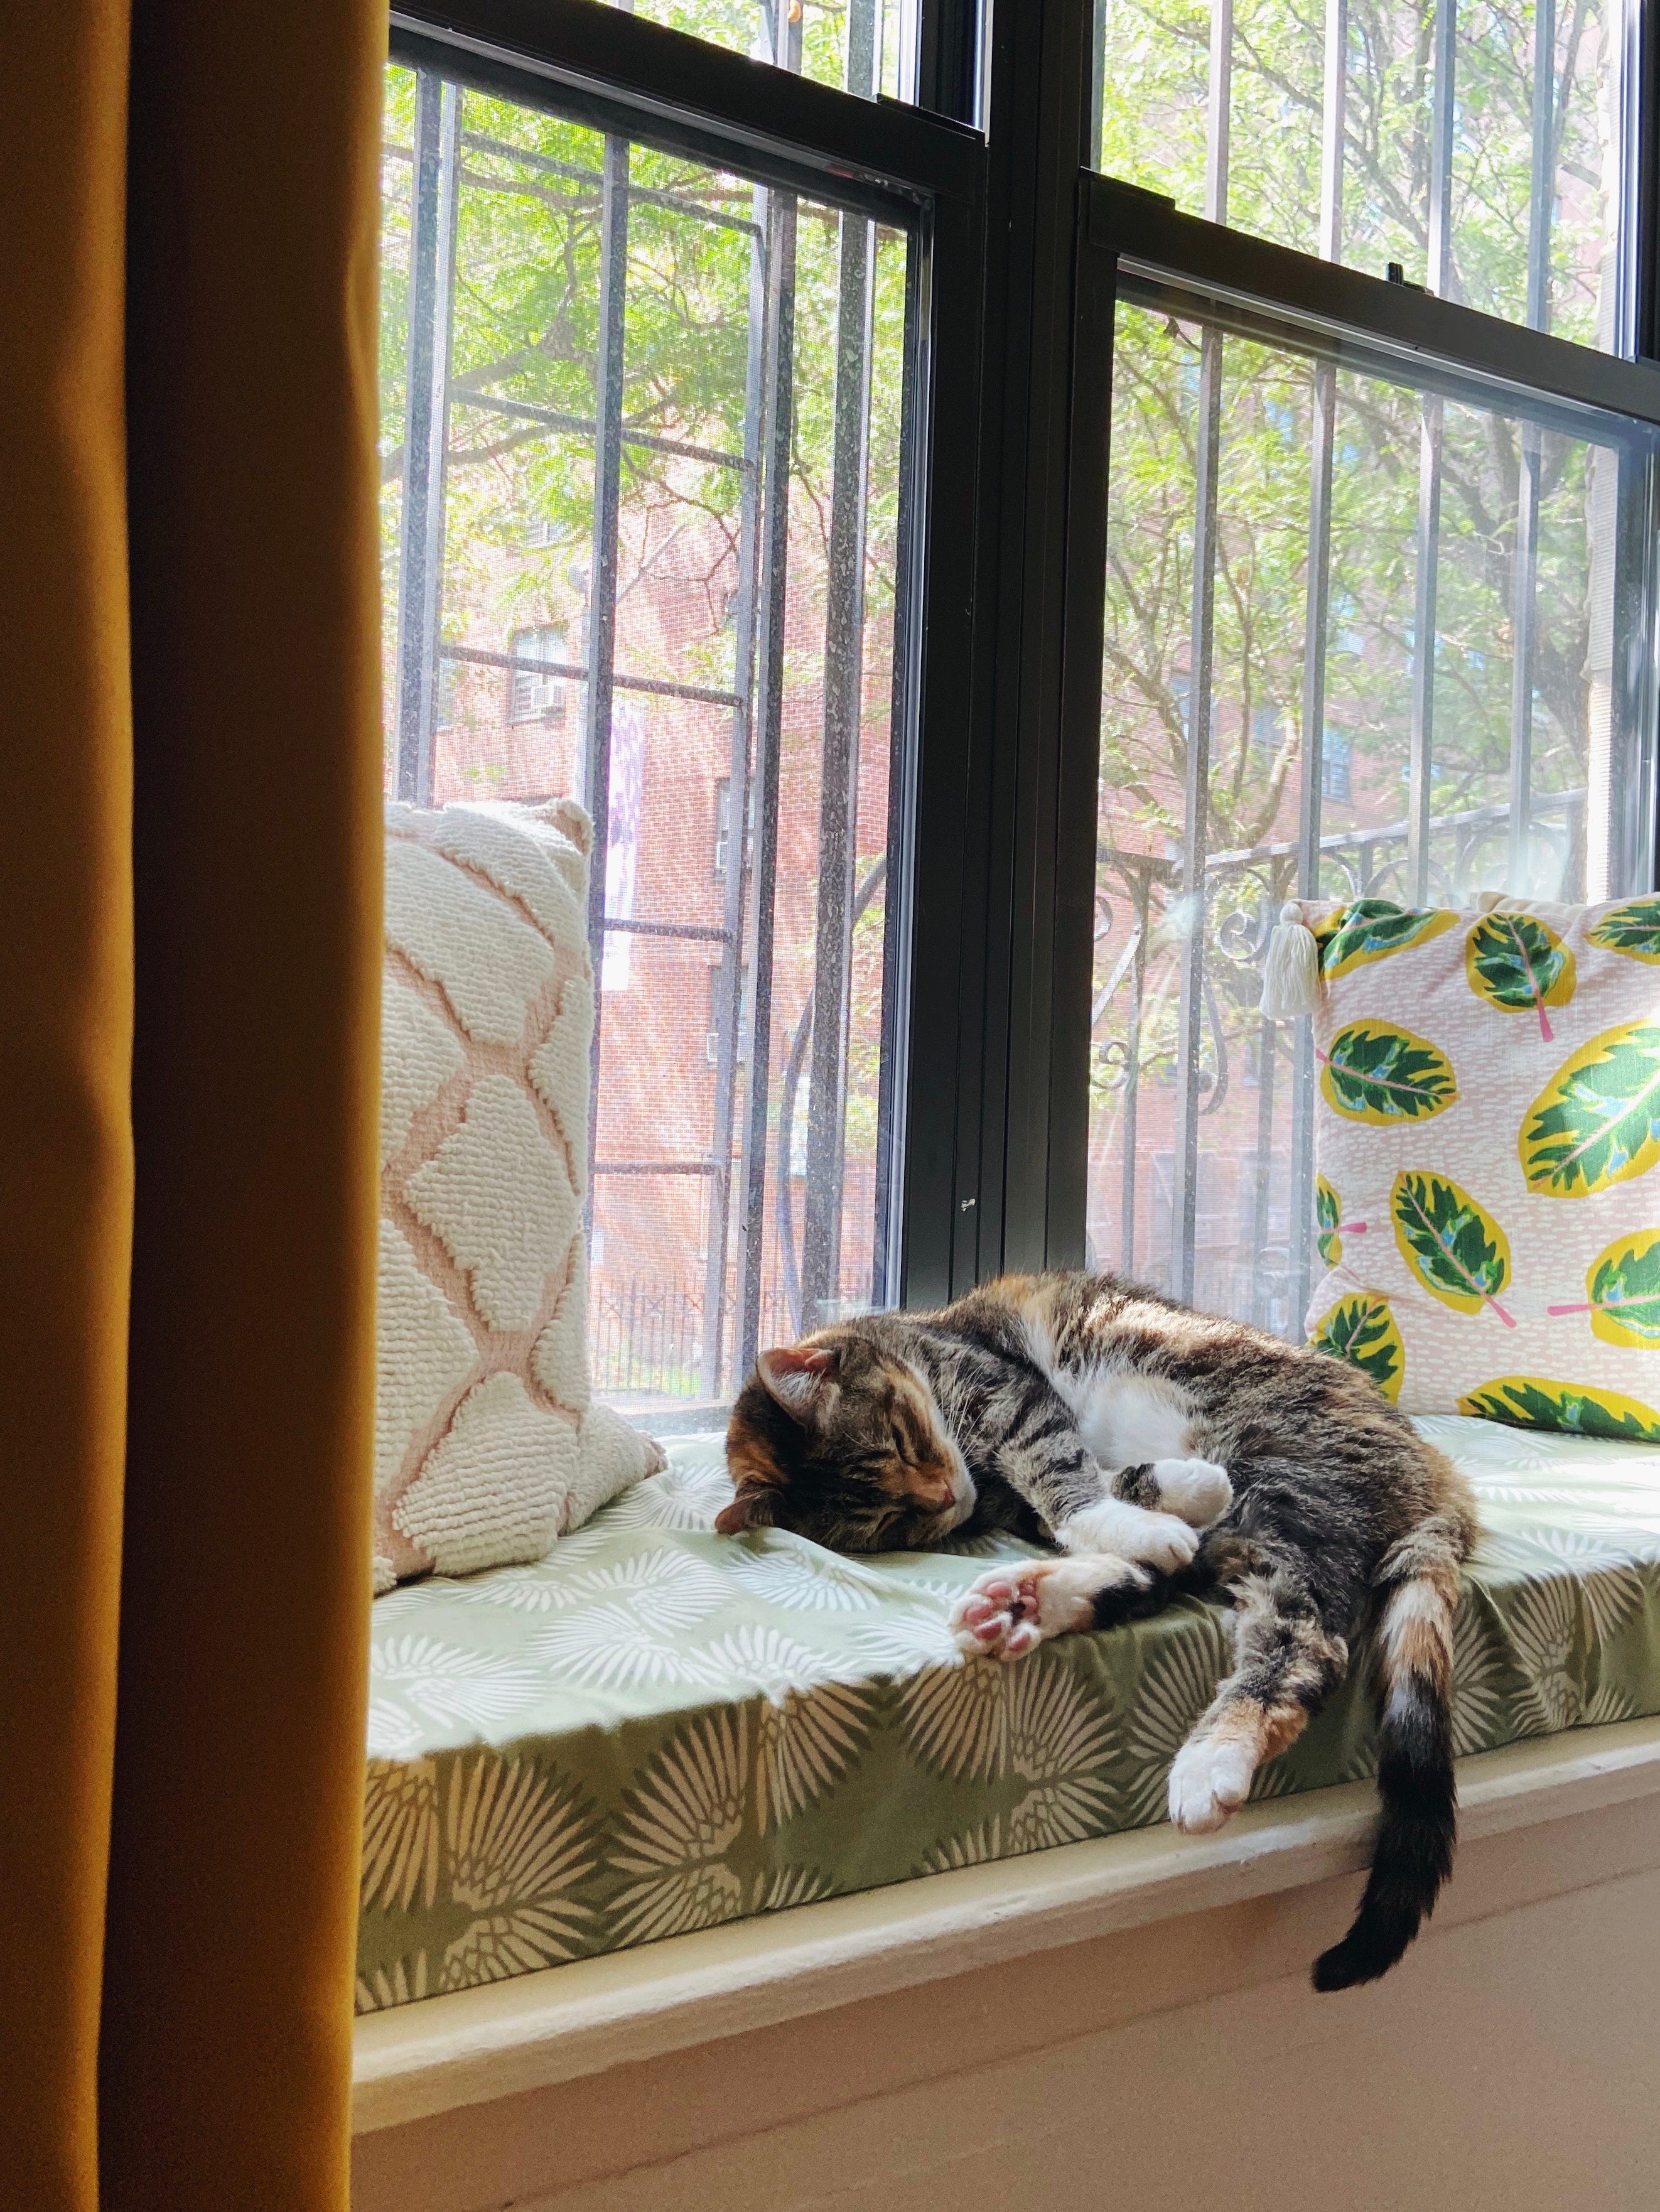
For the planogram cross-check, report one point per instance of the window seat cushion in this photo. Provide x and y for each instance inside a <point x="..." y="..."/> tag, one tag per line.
<point x="657" y="1729"/>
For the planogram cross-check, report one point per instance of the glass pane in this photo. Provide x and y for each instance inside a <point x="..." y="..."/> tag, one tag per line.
<point x="1227" y="106"/>
<point x="1346" y="508"/>
<point x="643" y="463"/>
<point x="864" y="46"/>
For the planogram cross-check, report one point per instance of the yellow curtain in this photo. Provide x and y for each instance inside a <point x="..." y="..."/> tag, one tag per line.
<point x="189" y="740"/>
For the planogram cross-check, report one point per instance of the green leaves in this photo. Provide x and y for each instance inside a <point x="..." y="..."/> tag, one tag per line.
<point x="1597" y="1121"/>
<point x="1623" y="1287"/>
<point x="1371" y="929"/>
<point x="1329" y="1222"/>
<point x="1517" y="964"/>
<point x="1632" y="929"/>
<point x="1376" y="1073"/>
<point x="1361" y="1329"/>
<point x="1328" y="1212"/>
<point x="1528" y="1401"/>
<point x="1458" y="1252"/>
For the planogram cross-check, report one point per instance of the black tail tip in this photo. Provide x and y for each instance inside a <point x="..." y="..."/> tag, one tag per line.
<point x="1337" y="1969"/>
<point x="1349" y="1964"/>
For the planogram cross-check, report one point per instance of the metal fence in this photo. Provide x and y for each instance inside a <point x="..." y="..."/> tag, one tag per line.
<point x="646" y="1338"/>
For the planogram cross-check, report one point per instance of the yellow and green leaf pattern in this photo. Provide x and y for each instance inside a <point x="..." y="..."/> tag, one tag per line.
<point x="1632" y="929"/>
<point x="1457" y="1251"/>
<point x="1597" y="1121"/>
<point x="1622" y="1289"/>
<point x="1528" y="1401"/>
<point x="1377" y="1073"/>
<point x="1327" y="1214"/>
<point x="1517" y="964"/>
<point x="1362" y="1329"/>
<point x="1371" y="929"/>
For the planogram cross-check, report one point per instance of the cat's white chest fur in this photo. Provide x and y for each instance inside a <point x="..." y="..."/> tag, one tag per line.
<point x="1127" y="1420"/>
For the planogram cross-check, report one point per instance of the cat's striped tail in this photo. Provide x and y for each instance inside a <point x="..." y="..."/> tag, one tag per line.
<point x="1418" y="1584"/>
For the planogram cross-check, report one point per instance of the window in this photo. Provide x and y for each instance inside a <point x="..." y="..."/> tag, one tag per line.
<point x="1433" y="559"/>
<point x="1048" y="551"/>
<point x="1489" y="151"/>
<point x="1337" y="765"/>
<point x="533" y="695"/>
<point x="695" y="382"/>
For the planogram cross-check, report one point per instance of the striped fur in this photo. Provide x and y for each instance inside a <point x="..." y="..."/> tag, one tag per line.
<point x="1121" y="1426"/>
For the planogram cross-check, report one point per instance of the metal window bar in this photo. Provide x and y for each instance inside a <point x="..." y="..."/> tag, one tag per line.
<point x="885" y="1256"/>
<point x="1525" y="561"/>
<point x="432" y="271"/>
<point x="648" y="195"/>
<point x="778" y="403"/>
<point x="602" y="599"/>
<point x="838" y="792"/>
<point x="1316" y="608"/>
<point x="782" y="32"/>
<point x="730" y="988"/>
<point x="527" y="411"/>
<point x="575" y="672"/>
<point x="1200" y="685"/>
<point x="1431" y="435"/>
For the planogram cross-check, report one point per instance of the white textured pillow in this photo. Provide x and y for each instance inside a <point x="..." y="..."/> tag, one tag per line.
<point x="486" y="1446"/>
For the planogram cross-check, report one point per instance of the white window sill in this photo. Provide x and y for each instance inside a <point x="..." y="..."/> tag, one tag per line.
<point x="432" y="2056"/>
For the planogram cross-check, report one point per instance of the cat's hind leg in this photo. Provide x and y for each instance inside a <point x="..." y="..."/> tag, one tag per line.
<point x="1286" y="1663"/>
<point x="1016" y="1607"/>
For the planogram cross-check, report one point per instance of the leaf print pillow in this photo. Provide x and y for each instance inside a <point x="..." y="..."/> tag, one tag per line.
<point x="1486" y="1199"/>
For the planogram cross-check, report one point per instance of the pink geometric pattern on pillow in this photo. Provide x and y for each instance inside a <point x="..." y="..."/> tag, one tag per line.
<point x="487" y="1446"/>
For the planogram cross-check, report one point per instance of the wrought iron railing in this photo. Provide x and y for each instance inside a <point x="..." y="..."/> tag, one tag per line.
<point x="1266" y="1258"/>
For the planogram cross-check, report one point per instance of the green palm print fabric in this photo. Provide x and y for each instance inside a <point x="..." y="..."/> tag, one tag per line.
<point x="658" y="1729"/>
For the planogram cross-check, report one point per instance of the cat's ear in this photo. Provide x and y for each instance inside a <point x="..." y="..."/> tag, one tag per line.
<point x="750" y="1508"/>
<point x="796" y="1375"/>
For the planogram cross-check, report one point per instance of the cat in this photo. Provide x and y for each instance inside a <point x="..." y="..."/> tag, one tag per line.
<point x="1156" y="1448"/>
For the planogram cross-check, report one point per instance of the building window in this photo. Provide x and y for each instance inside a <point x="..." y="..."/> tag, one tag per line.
<point x="533" y="697"/>
<point x="1337" y="764"/>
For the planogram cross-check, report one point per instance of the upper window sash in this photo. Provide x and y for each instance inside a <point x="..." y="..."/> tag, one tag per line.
<point x="1494" y="154"/>
<point x="619" y="73"/>
<point x="1145" y="230"/>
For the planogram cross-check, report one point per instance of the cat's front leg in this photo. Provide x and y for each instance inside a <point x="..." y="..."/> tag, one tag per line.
<point x="1197" y="1491"/>
<point x="1014" y="1608"/>
<point x="1148" y="1536"/>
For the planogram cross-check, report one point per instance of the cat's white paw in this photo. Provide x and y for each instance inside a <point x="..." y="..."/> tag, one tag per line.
<point x="1157" y="1540"/>
<point x="1013" y="1609"/>
<point x="1209" y="1781"/>
<point x="1196" y="1490"/>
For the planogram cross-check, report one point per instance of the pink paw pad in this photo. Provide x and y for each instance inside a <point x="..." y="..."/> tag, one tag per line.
<point x="999" y="1615"/>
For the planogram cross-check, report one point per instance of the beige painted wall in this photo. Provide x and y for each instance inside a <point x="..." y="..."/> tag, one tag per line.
<point x="1512" y="2061"/>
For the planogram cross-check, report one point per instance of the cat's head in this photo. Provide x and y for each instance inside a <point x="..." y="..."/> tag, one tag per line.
<point x="839" y="1439"/>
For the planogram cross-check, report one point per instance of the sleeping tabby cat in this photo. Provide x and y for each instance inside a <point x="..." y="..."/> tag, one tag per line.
<point x="1119" y="1424"/>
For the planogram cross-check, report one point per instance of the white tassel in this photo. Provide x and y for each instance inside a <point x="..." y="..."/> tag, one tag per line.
<point x="1291" y="974"/>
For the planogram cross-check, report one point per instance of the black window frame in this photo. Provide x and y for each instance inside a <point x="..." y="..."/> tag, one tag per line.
<point x="1016" y="266"/>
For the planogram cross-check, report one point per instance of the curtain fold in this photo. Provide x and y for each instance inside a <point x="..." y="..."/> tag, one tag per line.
<point x="65" y="1032"/>
<point x="192" y="740"/>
